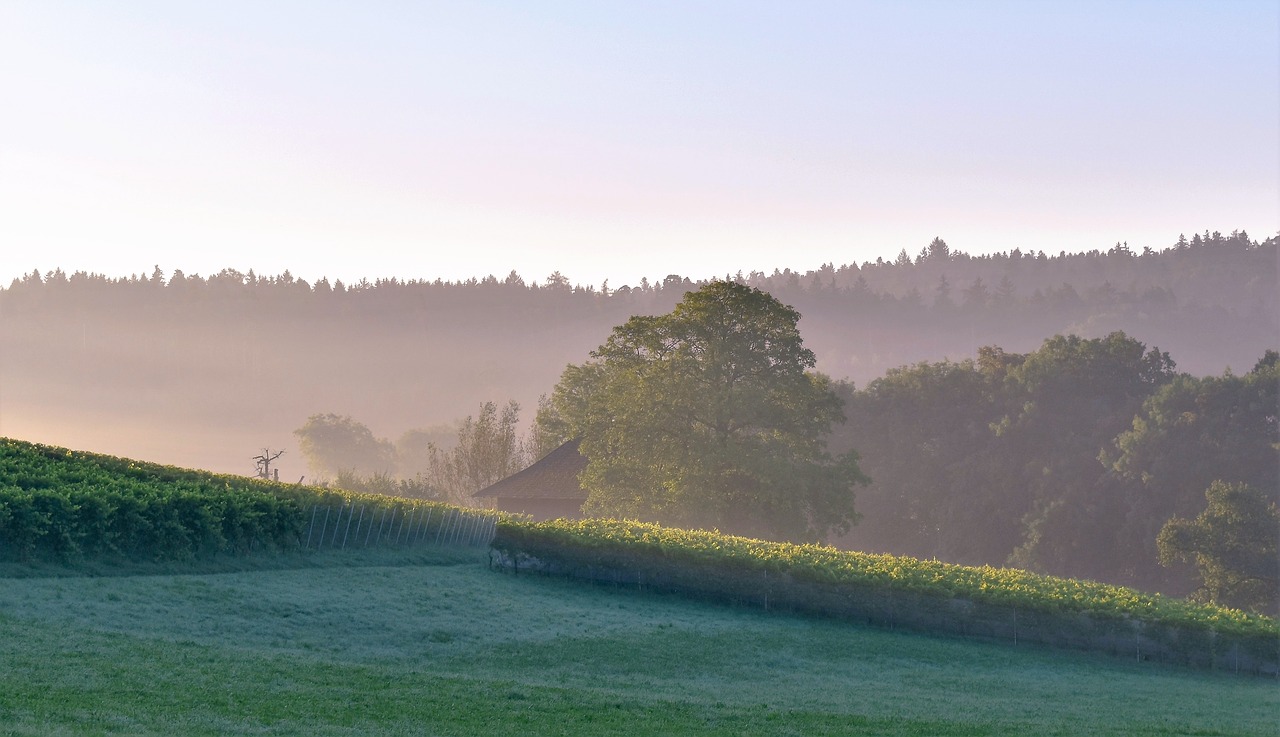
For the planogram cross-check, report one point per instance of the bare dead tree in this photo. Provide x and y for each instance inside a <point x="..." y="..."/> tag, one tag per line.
<point x="262" y="464"/>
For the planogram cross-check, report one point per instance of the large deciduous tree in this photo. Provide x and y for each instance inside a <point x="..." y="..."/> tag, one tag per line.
<point x="710" y="416"/>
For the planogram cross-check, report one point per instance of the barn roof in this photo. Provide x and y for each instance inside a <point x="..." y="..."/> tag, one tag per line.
<point x="553" y="477"/>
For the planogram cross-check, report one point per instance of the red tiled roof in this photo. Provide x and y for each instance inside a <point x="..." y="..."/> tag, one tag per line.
<point x="553" y="477"/>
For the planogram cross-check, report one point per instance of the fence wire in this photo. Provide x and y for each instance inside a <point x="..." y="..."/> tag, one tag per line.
<point x="362" y="525"/>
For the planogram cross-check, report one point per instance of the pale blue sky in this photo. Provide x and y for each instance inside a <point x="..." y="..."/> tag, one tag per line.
<point x="614" y="140"/>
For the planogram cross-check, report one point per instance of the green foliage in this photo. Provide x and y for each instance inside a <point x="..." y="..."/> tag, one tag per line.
<point x="488" y="449"/>
<point x="1234" y="544"/>
<point x="924" y="434"/>
<point x="710" y="416"/>
<point x="385" y="484"/>
<point x="1113" y="368"/>
<point x="1189" y="433"/>
<point x="1193" y="432"/>
<point x="56" y="503"/>
<point x="333" y="443"/>
<point x="547" y="432"/>
<point x="437" y="463"/>
<point x="414" y="448"/>
<point x="629" y="545"/>
<point x="1076" y="395"/>
<point x="1065" y="460"/>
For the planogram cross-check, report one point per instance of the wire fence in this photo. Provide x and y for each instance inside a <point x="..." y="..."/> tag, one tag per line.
<point x="364" y="525"/>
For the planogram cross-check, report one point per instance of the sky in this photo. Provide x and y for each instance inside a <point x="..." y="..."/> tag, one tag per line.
<point x="620" y="140"/>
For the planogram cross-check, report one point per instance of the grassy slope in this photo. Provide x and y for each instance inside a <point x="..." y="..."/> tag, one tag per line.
<point x="437" y="644"/>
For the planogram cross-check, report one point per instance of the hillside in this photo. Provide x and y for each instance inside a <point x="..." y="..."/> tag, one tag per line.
<point x="64" y="506"/>
<point x="401" y="639"/>
<point x="59" y="506"/>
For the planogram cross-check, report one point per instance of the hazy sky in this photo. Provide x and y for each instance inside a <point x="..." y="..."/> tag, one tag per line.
<point x="614" y="140"/>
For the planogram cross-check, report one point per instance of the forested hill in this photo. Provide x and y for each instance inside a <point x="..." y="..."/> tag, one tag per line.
<point x="206" y="370"/>
<point x="1210" y="301"/>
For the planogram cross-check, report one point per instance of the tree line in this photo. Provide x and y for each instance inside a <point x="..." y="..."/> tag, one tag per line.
<point x="861" y="319"/>
<point x="1090" y="458"/>
<point x="1087" y="458"/>
<point x="444" y="463"/>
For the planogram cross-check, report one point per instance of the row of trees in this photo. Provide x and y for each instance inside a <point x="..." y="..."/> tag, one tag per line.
<point x="1087" y="458"/>
<point x="443" y="463"/>
<point x="1071" y="460"/>
<point x="709" y="416"/>
<point x="938" y="277"/>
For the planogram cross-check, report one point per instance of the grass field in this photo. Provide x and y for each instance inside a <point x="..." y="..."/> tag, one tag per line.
<point x="436" y="644"/>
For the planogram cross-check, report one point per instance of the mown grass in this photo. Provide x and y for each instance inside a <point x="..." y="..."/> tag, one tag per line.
<point x="433" y="643"/>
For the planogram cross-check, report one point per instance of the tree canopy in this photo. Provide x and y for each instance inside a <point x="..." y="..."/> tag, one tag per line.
<point x="438" y="463"/>
<point x="1066" y="460"/>
<point x="1234" y="545"/>
<point x="333" y="443"/>
<point x="710" y="416"/>
<point x="487" y="450"/>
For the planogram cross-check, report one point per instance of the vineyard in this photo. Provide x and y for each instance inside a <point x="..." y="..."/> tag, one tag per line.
<point x="995" y="603"/>
<point x="62" y="505"/>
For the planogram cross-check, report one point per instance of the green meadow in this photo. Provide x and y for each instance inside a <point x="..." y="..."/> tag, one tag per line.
<point x="434" y="643"/>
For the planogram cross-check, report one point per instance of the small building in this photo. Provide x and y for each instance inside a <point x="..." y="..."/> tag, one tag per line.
<point x="546" y="490"/>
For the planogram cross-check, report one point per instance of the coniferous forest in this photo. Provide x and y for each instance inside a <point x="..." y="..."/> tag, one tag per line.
<point x="1051" y="412"/>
